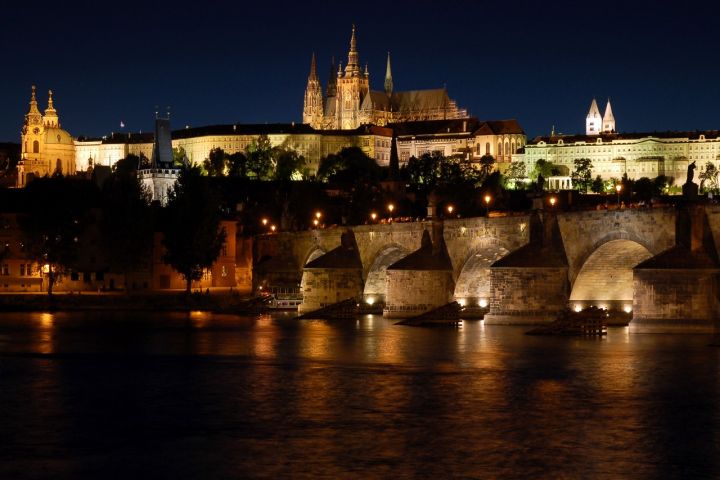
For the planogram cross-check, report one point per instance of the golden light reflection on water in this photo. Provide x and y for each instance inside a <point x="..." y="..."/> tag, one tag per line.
<point x="199" y="319"/>
<point x="46" y="332"/>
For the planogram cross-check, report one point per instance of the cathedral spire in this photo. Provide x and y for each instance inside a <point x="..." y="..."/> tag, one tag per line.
<point x="33" y="116"/>
<point x="313" y="69"/>
<point x="352" y="65"/>
<point x="388" y="78"/>
<point x="608" y="119"/>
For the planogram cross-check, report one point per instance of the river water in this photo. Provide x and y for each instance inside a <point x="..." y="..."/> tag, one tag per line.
<point x="127" y="395"/>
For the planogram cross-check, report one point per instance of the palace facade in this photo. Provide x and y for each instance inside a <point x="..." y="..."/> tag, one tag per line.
<point x="615" y="154"/>
<point x="349" y="102"/>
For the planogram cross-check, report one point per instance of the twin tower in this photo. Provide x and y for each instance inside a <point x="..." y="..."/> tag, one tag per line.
<point x="595" y="124"/>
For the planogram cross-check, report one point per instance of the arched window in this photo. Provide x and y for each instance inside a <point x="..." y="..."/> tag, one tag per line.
<point x="507" y="147"/>
<point x="512" y="147"/>
<point x="499" y="151"/>
<point x="487" y="148"/>
<point x="36" y="146"/>
<point x="477" y="149"/>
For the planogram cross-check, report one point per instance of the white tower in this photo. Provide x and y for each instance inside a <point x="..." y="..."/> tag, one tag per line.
<point x="593" y="121"/>
<point x="608" y="119"/>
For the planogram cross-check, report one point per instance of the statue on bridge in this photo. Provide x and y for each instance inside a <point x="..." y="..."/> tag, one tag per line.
<point x="690" y="172"/>
<point x="540" y="185"/>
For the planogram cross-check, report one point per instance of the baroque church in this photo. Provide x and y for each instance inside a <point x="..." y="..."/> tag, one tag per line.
<point x="349" y="102"/>
<point x="46" y="149"/>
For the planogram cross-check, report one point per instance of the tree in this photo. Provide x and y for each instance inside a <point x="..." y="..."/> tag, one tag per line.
<point x="216" y="162"/>
<point x="126" y="225"/>
<point x="542" y="167"/>
<point x="424" y="171"/>
<point x="486" y="164"/>
<point x="645" y="189"/>
<point x="515" y="173"/>
<point x="237" y="165"/>
<point x="709" y="178"/>
<point x="191" y="229"/>
<point x="53" y="221"/>
<point x="179" y="157"/>
<point x="348" y="165"/>
<point x="259" y="157"/>
<point x="287" y="162"/>
<point x="598" y="186"/>
<point x="582" y="174"/>
<point x="127" y="165"/>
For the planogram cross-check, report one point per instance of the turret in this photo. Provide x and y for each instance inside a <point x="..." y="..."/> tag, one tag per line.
<point x="608" y="119"/>
<point x="388" y="78"/>
<point x="33" y="117"/>
<point x="50" y="119"/>
<point x="593" y="121"/>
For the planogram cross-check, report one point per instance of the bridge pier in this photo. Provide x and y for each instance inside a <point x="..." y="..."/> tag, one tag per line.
<point x="530" y="285"/>
<point x="677" y="290"/>
<point x="422" y="281"/>
<point x="332" y="277"/>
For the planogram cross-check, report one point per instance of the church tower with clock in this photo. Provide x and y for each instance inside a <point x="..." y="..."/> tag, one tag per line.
<point x="46" y="149"/>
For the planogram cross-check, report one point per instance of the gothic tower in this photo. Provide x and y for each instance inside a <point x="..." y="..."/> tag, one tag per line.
<point x="608" y="119"/>
<point x="352" y="86"/>
<point x="313" y="107"/>
<point x="593" y="121"/>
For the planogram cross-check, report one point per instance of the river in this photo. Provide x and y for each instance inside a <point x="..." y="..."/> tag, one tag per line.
<point x="128" y="395"/>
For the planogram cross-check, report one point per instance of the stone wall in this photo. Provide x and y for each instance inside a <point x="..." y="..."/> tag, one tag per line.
<point x="324" y="286"/>
<point x="527" y="295"/>
<point x="412" y="292"/>
<point x="674" y="301"/>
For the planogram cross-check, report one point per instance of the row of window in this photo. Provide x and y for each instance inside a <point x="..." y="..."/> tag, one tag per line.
<point x="26" y="270"/>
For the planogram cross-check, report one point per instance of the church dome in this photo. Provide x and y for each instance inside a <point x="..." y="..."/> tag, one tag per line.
<point x="55" y="135"/>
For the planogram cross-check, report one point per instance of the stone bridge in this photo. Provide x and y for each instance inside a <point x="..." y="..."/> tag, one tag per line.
<point x="594" y="254"/>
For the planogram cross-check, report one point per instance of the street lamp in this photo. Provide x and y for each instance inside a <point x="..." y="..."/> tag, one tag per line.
<point x="618" y="187"/>
<point x="553" y="201"/>
<point x="373" y="216"/>
<point x="487" y="199"/>
<point x="264" y="222"/>
<point x="391" y="207"/>
<point x="273" y="228"/>
<point x="315" y="222"/>
<point x="318" y="214"/>
<point x="450" y="209"/>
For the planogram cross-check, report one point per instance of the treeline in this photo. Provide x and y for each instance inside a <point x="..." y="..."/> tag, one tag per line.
<point x="72" y="224"/>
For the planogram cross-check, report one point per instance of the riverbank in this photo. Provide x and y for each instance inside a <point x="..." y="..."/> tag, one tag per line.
<point x="170" y="301"/>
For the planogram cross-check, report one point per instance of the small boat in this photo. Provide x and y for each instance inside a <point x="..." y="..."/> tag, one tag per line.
<point x="283" y="298"/>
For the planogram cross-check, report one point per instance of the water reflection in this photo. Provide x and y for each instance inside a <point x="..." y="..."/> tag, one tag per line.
<point x="275" y="397"/>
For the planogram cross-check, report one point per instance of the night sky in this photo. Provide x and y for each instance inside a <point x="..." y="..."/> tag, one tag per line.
<point x="247" y="62"/>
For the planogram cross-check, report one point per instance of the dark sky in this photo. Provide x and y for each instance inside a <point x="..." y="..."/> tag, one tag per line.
<point x="217" y="62"/>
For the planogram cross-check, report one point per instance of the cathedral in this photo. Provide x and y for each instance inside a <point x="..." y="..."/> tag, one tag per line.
<point x="349" y="102"/>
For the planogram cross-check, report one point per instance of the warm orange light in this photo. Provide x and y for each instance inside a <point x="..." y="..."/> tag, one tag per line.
<point x="264" y="222"/>
<point x="487" y="199"/>
<point x="618" y="187"/>
<point x="391" y="207"/>
<point x="315" y="222"/>
<point x="450" y="209"/>
<point x="318" y="215"/>
<point x="272" y="227"/>
<point x="553" y="200"/>
<point x="373" y="215"/>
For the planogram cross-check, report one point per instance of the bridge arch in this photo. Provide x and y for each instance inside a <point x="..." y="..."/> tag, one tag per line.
<point x="605" y="277"/>
<point x="472" y="287"/>
<point x="315" y="252"/>
<point x="375" y="287"/>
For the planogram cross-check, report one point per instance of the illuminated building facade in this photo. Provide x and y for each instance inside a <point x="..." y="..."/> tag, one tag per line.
<point x="349" y="102"/>
<point x="616" y="154"/>
<point x="46" y="148"/>
<point x="469" y="137"/>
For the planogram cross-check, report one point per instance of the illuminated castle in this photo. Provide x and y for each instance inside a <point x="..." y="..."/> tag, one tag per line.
<point x="349" y="102"/>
